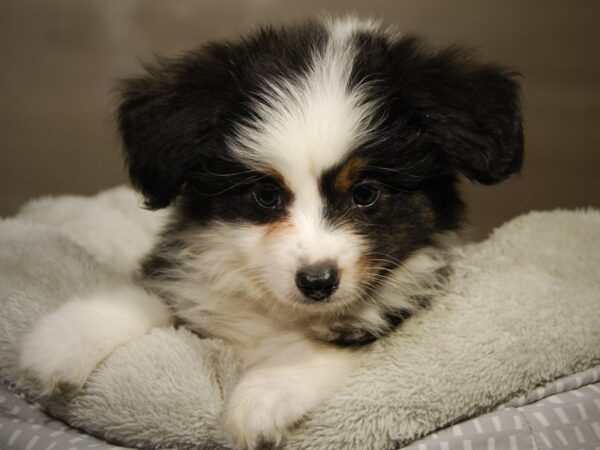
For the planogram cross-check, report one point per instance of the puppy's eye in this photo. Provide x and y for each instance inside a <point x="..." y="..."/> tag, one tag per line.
<point x="366" y="194"/>
<point x="268" y="196"/>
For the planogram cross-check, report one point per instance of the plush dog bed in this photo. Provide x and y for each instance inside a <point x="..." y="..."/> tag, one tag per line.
<point x="522" y="310"/>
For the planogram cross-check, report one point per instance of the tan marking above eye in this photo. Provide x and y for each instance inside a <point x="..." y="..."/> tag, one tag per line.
<point x="349" y="173"/>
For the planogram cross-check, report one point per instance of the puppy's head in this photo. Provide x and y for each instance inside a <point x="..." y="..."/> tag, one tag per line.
<point x="307" y="164"/>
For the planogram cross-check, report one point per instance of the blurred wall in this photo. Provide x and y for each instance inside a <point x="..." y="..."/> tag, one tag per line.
<point x="58" y="61"/>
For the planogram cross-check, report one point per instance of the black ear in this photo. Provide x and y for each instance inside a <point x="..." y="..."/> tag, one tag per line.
<point x="471" y="111"/>
<point x="169" y="120"/>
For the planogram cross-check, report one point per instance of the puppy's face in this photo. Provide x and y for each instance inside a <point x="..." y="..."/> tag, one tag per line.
<point x="308" y="164"/>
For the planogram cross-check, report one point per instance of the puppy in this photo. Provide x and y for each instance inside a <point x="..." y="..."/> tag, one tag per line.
<point x="311" y="172"/>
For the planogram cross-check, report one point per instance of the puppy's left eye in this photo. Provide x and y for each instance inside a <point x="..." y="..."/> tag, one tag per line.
<point x="366" y="193"/>
<point x="268" y="196"/>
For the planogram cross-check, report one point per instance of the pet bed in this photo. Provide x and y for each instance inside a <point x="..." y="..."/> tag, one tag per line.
<point x="517" y="334"/>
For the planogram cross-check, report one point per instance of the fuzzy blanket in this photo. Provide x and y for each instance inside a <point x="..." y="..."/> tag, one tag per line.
<point x="522" y="308"/>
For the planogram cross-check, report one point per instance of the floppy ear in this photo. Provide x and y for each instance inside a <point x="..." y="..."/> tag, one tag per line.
<point x="471" y="111"/>
<point x="168" y="121"/>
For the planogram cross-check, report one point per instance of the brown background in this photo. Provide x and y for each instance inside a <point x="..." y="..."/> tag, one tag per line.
<point x="58" y="61"/>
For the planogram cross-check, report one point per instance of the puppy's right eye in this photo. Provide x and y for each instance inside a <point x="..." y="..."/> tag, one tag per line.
<point x="366" y="193"/>
<point x="268" y="196"/>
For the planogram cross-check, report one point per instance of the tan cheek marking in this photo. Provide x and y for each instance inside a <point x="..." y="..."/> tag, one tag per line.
<point x="364" y="268"/>
<point x="349" y="173"/>
<point x="284" y="225"/>
<point x="277" y="228"/>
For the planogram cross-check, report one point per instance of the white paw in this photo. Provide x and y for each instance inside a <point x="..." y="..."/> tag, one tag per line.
<point x="264" y="406"/>
<point x="58" y="354"/>
<point x="65" y="346"/>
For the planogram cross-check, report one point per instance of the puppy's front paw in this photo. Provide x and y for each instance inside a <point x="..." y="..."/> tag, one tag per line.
<point x="58" y="354"/>
<point x="263" y="406"/>
<point x="65" y="346"/>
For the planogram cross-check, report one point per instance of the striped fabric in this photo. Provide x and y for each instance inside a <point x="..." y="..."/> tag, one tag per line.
<point x="563" y="415"/>
<point x="25" y="427"/>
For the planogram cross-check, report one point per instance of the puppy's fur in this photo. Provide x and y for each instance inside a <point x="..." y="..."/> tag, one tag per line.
<point x="311" y="172"/>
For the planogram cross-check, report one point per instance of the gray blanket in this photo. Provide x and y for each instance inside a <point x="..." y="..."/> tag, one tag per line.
<point x="522" y="308"/>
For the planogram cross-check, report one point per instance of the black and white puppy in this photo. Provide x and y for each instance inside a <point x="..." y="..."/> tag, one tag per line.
<point x="311" y="171"/>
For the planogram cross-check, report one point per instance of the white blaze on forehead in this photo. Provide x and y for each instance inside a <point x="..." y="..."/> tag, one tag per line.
<point x="305" y="126"/>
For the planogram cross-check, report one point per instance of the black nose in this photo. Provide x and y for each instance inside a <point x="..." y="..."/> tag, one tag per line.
<point x="318" y="281"/>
